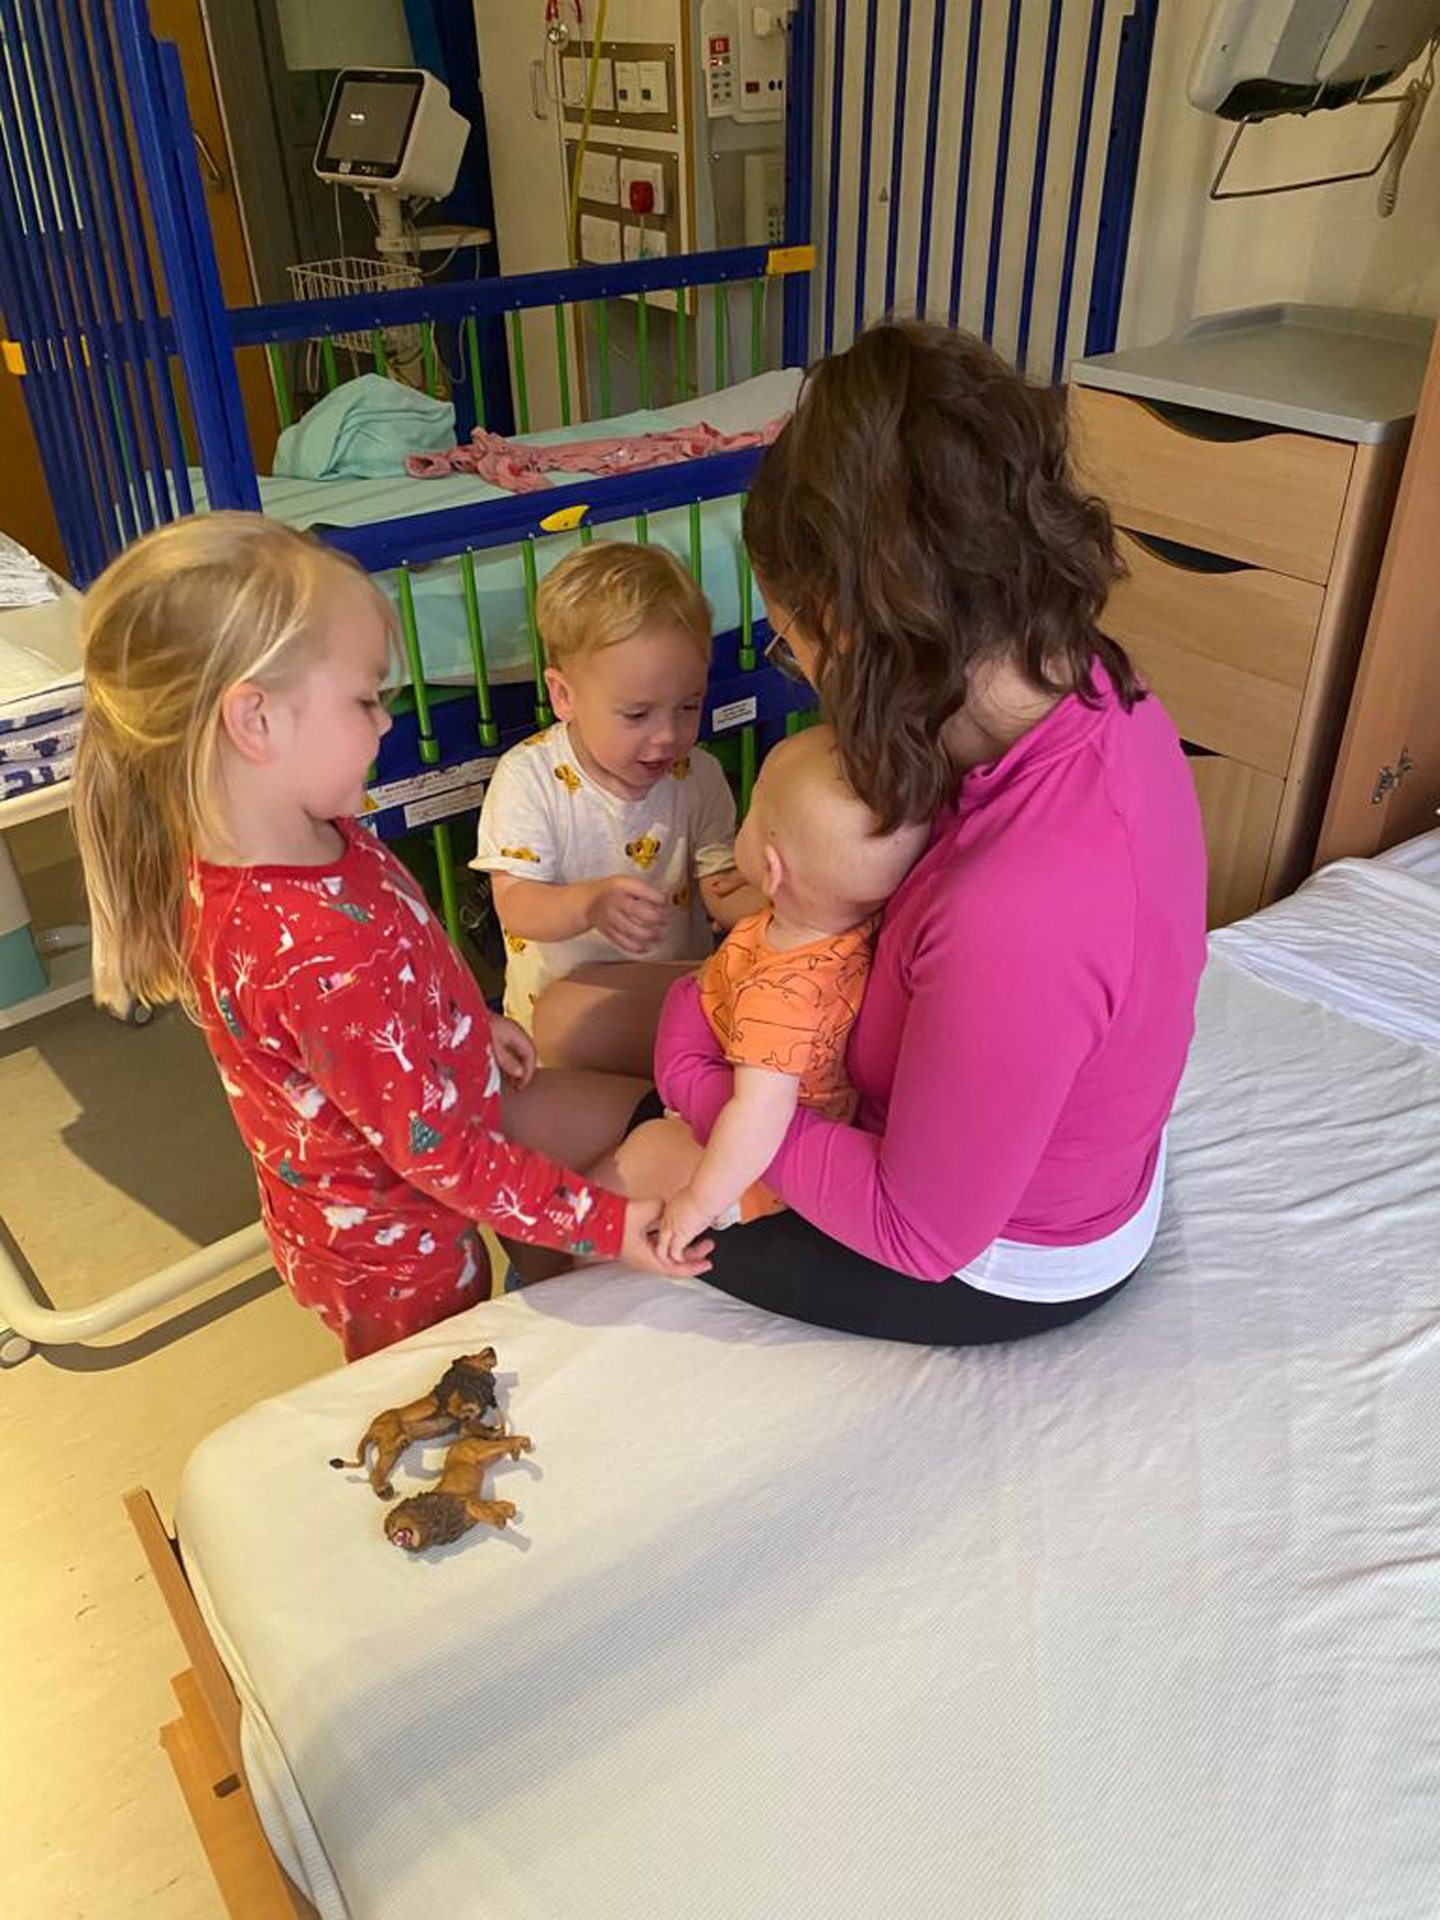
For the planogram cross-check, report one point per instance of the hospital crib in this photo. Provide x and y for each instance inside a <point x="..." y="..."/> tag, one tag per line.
<point x="464" y="576"/>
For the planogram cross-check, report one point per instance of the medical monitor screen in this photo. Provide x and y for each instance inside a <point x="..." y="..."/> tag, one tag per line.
<point x="368" y="125"/>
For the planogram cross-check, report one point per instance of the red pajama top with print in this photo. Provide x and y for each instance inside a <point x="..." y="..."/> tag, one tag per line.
<point x="354" y="1046"/>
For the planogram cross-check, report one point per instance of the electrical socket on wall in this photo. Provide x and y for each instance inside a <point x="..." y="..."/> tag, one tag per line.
<point x="654" y="87"/>
<point x="573" y="77"/>
<point x="646" y="243"/>
<point x="627" y="87"/>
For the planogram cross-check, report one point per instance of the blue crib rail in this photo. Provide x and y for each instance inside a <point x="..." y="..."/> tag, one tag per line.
<point x="1045" y="126"/>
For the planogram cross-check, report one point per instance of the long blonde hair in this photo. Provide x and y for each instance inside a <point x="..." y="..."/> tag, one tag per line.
<point x="168" y="628"/>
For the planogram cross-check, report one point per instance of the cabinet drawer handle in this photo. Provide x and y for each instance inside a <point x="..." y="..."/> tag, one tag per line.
<point x="1174" y="553"/>
<point x="1198" y="423"/>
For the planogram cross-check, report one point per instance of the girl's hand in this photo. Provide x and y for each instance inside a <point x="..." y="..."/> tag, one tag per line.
<point x="640" y="1249"/>
<point x="629" y="914"/>
<point x="682" y="1223"/>
<point x="514" y="1051"/>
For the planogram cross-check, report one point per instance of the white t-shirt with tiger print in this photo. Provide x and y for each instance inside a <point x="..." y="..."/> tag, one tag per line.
<point x="544" y="819"/>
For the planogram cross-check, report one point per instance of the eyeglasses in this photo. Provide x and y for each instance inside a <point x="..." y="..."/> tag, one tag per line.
<point x="781" y="655"/>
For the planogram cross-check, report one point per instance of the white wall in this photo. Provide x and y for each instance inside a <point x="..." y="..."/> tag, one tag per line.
<point x="1188" y="256"/>
<point x="969" y="227"/>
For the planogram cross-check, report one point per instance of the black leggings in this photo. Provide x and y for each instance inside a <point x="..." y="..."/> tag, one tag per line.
<point x="788" y="1266"/>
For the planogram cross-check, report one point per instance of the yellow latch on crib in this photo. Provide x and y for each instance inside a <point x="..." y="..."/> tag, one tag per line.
<point x="13" y="355"/>
<point x="790" y="260"/>
<point x="565" y="521"/>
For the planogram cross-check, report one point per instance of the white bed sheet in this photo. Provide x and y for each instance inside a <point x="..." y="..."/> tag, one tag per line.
<point x="1361" y="936"/>
<point x="1133" y="1622"/>
<point x="1420" y="856"/>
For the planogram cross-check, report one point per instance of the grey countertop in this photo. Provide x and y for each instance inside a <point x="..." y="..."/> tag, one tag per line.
<point x="1343" y="373"/>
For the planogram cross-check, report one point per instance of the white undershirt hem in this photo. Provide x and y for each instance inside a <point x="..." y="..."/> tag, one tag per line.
<point x="1017" y="1271"/>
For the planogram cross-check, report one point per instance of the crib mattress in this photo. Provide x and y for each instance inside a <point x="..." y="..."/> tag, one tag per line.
<point x="1131" y="1622"/>
<point x="499" y="575"/>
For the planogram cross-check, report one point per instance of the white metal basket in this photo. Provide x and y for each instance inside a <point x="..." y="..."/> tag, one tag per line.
<point x="352" y="273"/>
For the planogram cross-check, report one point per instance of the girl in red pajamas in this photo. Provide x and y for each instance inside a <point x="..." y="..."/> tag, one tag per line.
<point x="234" y="672"/>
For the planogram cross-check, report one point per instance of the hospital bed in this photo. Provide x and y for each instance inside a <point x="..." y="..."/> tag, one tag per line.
<point x="1124" y="1623"/>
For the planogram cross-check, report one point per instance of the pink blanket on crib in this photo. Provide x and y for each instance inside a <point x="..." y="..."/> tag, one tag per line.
<point x="522" y="467"/>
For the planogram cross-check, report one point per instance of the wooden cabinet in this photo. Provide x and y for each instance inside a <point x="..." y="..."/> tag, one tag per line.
<point x="1387" y="780"/>
<point x="1252" y="554"/>
<point x="1239" y="807"/>
<point x="1227" y="648"/>
<point x="1226" y="485"/>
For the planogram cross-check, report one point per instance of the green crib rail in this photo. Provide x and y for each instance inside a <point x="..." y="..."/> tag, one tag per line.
<point x="470" y="333"/>
<point x="667" y="362"/>
<point x="430" y="366"/>
<point x="280" y="381"/>
<point x="415" y="666"/>
<point x="562" y="362"/>
<point x="741" y="757"/>
<point x="543" y="715"/>
<point x="522" y="389"/>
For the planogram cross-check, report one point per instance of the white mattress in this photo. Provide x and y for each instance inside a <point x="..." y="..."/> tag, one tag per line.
<point x="1131" y="1622"/>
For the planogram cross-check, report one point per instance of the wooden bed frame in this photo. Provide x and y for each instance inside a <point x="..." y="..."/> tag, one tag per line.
<point x="203" y="1746"/>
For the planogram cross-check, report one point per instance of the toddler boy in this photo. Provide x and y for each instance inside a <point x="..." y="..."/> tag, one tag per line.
<point x="608" y="837"/>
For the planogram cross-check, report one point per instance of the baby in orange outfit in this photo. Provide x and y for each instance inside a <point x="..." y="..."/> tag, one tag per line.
<point x="782" y="993"/>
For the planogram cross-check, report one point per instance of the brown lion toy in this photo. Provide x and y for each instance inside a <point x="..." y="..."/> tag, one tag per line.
<point x="460" y="1398"/>
<point x="457" y="1500"/>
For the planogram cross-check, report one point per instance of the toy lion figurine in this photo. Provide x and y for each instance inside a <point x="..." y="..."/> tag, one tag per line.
<point x="460" y="1398"/>
<point x="457" y="1500"/>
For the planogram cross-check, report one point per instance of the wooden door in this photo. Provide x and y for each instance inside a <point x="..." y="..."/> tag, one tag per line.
<point x="1387" y="779"/>
<point x="25" y="510"/>
<point x="181" y="21"/>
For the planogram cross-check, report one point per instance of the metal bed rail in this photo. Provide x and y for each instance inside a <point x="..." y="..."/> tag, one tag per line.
<point x="465" y="304"/>
<point x="1032" y="114"/>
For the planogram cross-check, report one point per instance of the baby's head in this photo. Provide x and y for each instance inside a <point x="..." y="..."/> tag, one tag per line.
<point x="627" y="638"/>
<point x="810" y="844"/>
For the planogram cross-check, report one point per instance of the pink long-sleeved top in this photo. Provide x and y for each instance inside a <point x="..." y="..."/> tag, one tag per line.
<point x="1028" y="1013"/>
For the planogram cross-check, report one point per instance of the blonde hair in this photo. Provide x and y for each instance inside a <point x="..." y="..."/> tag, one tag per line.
<point x="840" y="863"/>
<point x="608" y="591"/>
<point x="170" y="626"/>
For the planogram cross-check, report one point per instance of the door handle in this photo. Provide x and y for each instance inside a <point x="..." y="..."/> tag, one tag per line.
<point x="209" y="165"/>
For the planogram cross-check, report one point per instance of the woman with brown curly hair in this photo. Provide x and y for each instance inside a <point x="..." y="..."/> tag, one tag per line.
<point x="930" y="566"/>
